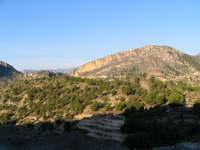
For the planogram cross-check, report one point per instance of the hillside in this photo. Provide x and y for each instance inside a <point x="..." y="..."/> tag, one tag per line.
<point x="125" y="111"/>
<point x="55" y="104"/>
<point x="161" y="61"/>
<point x="42" y="97"/>
<point x="197" y="58"/>
<point x="9" y="74"/>
<point x="7" y="70"/>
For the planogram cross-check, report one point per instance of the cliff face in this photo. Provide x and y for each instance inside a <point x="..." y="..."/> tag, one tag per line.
<point x="155" y="60"/>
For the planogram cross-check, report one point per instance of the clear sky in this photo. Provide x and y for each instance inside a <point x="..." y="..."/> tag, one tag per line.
<point x="50" y="34"/>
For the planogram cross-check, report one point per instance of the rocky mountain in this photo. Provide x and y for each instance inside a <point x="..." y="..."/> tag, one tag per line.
<point x="63" y="71"/>
<point x="29" y="70"/>
<point x="160" y="61"/>
<point x="9" y="74"/>
<point x="40" y="74"/>
<point x="197" y="58"/>
<point x="7" y="70"/>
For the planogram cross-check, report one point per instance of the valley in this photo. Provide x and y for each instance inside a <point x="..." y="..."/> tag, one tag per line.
<point x="142" y="98"/>
<point x="55" y="104"/>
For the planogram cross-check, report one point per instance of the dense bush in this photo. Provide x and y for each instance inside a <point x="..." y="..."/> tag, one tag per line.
<point x="128" y="89"/>
<point x="176" y="97"/>
<point x="6" y="119"/>
<point x="150" y="98"/>
<point x="108" y="107"/>
<point x="151" y="133"/>
<point x="196" y="107"/>
<point x="95" y="106"/>
<point x="119" y="106"/>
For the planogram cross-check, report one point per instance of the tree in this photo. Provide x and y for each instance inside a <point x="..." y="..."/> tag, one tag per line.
<point x="136" y="80"/>
<point x="58" y="115"/>
<point x="152" y="79"/>
<point x="95" y="106"/>
<point x="159" y="99"/>
<point x="119" y="106"/>
<point x="196" y="107"/>
<point x="113" y="92"/>
<point x="176" y="97"/>
<point x="108" y="107"/>
<point x="137" y="104"/>
<point x="150" y="98"/>
<point x="144" y="75"/>
<point x="127" y="89"/>
<point x="26" y="82"/>
<point x="122" y="99"/>
<point x="67" y="114"/>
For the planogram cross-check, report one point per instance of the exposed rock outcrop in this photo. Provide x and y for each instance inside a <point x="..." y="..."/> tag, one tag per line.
<point x="104" y="127"/>
<point x="161" y="61"/>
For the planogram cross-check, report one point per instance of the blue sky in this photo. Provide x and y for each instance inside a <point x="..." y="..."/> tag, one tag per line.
<point x="50" y="34"/>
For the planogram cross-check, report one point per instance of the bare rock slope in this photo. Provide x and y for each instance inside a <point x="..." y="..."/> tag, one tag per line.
<point x="161" y="61"/>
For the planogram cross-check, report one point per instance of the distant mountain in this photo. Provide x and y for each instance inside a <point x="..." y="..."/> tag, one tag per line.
<point x="39" y="74"/>
<point x="63" y="71"/>
<point x="7" y="70"/>
<point x="161" y="61"/>
<point x="9" y="74"/>
<point x="29" y="70"/>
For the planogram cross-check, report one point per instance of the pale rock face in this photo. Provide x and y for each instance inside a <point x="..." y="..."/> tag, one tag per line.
<point x="103" y="127"/>
<point x="154" y="60"/>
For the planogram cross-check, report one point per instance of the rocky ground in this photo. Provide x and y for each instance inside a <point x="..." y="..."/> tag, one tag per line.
<point x="16" y="138"/>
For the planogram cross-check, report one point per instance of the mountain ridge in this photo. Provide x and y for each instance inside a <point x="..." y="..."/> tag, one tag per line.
<point x="163" y="61"/>
<point x="64" y="71"/>
<point x="9" y="74"/>
<point x="7" y="70"/>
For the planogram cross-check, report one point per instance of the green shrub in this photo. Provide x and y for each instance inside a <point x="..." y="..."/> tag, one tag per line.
<point x="150" y="98"/>
<point x="122" y="99"/>
<point x="119" y="106"/>
<point x="95" y="106"/>
<point x="128" y="89"/>
<point x="114" y="92"/>
<point x="137" y="104"/>
<point x="152" y="79"/>
<point x="176" y="97"/>
<point x="108" y="107"/>
<point x="196" y="107"/>
<point x="67" y="114"/>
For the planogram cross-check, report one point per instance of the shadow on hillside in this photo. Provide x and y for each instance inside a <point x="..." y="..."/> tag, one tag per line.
<point x="160" y="126"/>
<point x="66" y="135"/>
<point x="57" y="135"/>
